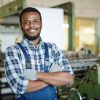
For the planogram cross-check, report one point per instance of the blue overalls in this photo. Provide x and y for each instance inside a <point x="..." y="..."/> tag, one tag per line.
<point x="47" y="93"/>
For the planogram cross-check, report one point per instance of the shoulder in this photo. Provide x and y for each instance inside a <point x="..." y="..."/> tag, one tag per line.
<point x="51" y="45"/>
<point x="12" y="48"/>
<point x="54" y="48"/>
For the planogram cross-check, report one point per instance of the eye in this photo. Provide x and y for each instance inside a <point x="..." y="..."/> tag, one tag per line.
<point x="36" y="21"/>
<point x="26" y="22"/>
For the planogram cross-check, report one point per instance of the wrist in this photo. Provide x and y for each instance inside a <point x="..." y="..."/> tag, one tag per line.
<point x="36" y="75"/>
<point x="41" y="75"/>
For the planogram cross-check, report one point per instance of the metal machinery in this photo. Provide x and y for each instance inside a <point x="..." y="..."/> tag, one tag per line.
<point x="87" y="81"/>
<point x="5" y="91"/>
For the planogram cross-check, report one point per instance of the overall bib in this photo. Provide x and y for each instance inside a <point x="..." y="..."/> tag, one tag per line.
<point x="47" y="93"/>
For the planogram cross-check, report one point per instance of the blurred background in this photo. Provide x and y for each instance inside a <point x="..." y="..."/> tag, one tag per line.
<point x="74" y="26"/>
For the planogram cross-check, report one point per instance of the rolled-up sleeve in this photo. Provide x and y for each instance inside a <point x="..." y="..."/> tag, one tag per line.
<point x="61" y="60"/>
<point x="13" y="70"/>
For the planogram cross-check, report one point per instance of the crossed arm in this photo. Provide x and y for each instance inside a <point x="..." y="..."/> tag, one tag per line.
<point x="52" y="78"/>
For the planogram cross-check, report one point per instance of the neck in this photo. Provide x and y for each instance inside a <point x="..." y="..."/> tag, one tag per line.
<point x="35" y="42"/>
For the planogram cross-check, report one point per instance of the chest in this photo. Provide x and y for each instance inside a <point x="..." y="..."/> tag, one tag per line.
<point x="36" y="59"/>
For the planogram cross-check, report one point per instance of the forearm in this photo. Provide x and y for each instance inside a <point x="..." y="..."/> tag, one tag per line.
<point x="56" y="78"/>
<point x="35" y="85"/>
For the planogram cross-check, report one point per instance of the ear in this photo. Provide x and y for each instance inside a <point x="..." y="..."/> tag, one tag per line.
<point x="41" y="24"/>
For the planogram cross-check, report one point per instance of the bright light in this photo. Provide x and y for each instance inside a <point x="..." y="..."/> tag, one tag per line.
<point x="65" y="26"/>
<point x="88" y="30"/>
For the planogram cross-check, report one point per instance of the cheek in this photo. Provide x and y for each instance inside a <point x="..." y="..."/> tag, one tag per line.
<point x="25" y="27"/>
<point x="39" y="26"/>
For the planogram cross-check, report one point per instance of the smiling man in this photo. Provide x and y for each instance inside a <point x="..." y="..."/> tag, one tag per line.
<point x="34" y="68"/>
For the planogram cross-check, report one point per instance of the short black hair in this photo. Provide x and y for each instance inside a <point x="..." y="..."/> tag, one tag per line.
<point x="29" y="9"/>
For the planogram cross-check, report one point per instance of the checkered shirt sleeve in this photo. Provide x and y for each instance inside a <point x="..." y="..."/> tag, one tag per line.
<point x="60" y="59"/>
<point x="13" y="70"/>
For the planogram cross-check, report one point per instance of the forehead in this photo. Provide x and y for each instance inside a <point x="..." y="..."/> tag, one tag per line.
<point x="29" y="15"/>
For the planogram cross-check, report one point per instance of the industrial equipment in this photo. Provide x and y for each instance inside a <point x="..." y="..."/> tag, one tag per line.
<point x="87" y="81"/>
<point x="5" y="91"/>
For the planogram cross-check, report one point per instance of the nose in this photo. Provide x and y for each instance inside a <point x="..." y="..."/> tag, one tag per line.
<point x="31" y="25"/>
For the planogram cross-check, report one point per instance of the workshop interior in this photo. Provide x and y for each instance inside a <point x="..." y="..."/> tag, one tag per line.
<point x="74" y="26"/>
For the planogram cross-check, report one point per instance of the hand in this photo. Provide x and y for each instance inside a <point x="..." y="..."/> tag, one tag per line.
<point x="30" y="74"/>
<point x="55" y="68"/>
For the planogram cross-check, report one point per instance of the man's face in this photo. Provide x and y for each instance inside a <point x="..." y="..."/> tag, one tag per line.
<point x="31" y="25"/>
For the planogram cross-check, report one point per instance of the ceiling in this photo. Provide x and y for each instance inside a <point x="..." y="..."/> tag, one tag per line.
<point x="83" y="8"/>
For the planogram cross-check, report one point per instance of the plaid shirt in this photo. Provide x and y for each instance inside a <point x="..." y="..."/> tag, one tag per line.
<point x="15" y="63"/>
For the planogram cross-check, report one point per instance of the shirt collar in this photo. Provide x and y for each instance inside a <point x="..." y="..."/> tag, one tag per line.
<point x="30" y="44"/>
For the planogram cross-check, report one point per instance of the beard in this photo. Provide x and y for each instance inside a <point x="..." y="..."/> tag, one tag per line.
<point x="31" y="38"/>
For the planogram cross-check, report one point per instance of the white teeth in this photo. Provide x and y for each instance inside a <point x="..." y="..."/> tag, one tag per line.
<point x="32" y="31"/>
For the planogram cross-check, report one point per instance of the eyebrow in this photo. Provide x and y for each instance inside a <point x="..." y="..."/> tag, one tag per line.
<point x="32" y="18"/>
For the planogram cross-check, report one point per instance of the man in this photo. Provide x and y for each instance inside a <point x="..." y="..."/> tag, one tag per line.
<point x="37" y="79"/>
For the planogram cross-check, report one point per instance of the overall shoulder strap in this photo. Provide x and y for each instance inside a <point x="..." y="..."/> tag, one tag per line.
<point x="27" y="58"/>
<point x="24" y="51"/>
<point x="46" y="58"/>
<point x="46" y="51"/>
